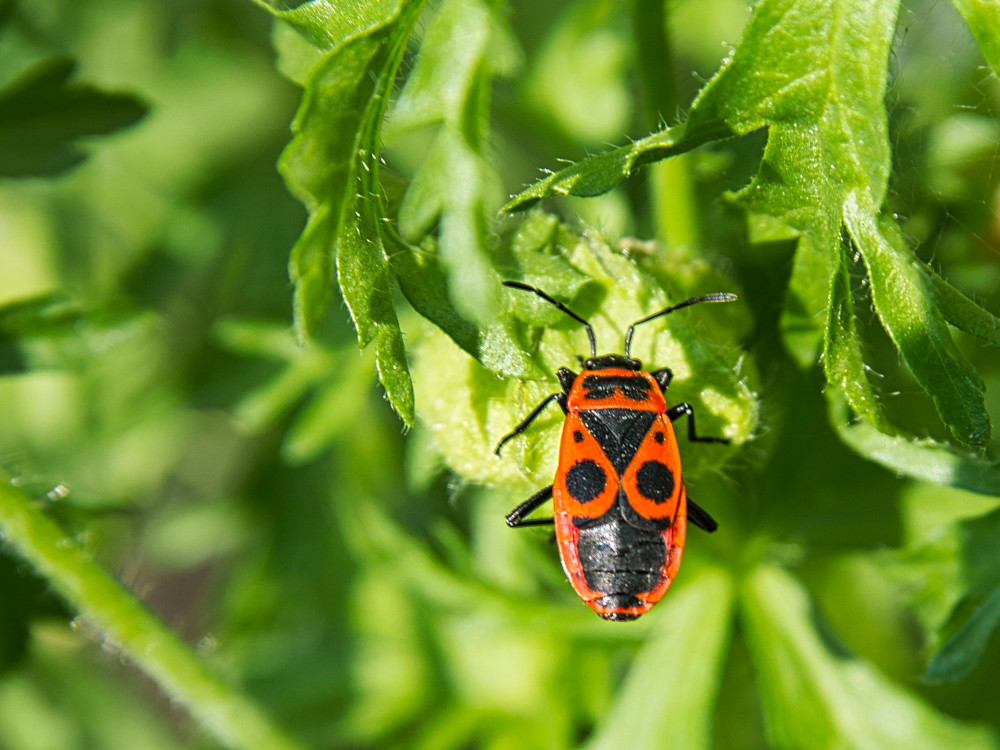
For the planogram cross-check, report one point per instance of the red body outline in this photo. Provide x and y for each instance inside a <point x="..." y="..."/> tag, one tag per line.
<point x="566" y="509"/>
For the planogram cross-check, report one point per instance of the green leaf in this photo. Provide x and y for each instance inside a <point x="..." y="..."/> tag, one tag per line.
<point x="843" y="357"/>
<point x="54" y="333"/>
<point x="904" y="300"/>
<point x="962" y="312"/>
<point x="983" y="17"/>
<point x="814" y="694"/>
<point x="923" y="459"/>
<point x="425" y="287"/>
<point x="597" y="174"/>
<point x="327" y="23"/>
<point x="814" y="74"/>
<point x="467" y="409"/>
<point x="43" y="114"/>
<point x="455" y="189"/>
<point x="332" y="166"/>
<point x="963" y="651"/>
<point x="670" y="690"/>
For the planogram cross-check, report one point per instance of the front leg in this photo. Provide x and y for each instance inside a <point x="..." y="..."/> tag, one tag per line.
<point x="516" y="517"/>
<point x="675" y="412"/>
<point x="559" y="397"/>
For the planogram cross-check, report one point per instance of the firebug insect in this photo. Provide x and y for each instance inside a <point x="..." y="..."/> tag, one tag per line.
<point x="620" y="506"/>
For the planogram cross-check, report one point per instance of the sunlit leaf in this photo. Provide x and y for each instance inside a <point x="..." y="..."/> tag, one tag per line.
<point x="983" y="17"/>
<point x="814" y="75"/>
<point x="468" y="409"/>
<point x="332" y="165"/>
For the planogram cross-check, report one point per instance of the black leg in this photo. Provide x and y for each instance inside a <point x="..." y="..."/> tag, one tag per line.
<point x="700" y="518"/>
<point x="516" y="517"/>
<point x="663" y="377"/>
<point x="675" y="412"/>
<point x="560" y="397"/>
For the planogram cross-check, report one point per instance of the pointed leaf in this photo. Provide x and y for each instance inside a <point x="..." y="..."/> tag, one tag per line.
<point x="962" y="652"/>
<point x="332" y="165"/>
<point x="962" y="312"/>
<point x="904" y="301"/>
<point x="43" y="114"/>
<point x="843" y="358"/>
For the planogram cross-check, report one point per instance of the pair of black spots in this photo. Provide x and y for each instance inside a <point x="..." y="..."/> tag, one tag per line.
<point x="619" y="433"/>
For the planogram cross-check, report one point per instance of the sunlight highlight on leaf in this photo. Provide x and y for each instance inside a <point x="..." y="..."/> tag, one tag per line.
<point x="332" y="166"/>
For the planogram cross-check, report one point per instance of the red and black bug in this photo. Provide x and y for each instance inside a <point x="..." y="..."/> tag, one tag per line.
<point x="620" y="506"/>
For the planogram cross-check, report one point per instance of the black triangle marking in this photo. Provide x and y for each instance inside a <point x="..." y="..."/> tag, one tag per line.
<point x="619" y="432"/>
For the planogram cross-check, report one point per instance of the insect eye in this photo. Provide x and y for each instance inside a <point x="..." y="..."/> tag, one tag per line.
<point x="636" y="364"/>
<point x="590" y="364"/>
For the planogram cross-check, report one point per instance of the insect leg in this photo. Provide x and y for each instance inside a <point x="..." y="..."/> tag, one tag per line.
<point x="700" y="517"/>
<point x="663" y="377"/>
<point x="560" y="397"/>
<point x="516" y="517"/>
<point x="675" y="412"/>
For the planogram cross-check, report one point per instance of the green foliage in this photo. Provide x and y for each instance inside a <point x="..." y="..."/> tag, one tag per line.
<point x="43" y="115"/>
<point x="185" y="433"/>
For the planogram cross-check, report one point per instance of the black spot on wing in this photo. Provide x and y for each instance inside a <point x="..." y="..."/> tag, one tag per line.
<point x="619" y="432"/>
<point x="655" y="481"/>
<point x="585" y="480"/>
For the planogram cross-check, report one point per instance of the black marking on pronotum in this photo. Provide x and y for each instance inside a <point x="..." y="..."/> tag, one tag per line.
<point x="655" y="481"/>
<point x="577" y="436"/>
<point x="585" y="480"/>
<point x="632" y="387"/>
<point x="619" y="432"/>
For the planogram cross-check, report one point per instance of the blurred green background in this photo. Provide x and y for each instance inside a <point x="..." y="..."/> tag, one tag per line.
<point x="262" y="498"/>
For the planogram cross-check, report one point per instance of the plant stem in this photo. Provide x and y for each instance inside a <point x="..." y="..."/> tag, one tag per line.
<point x="233" y="719"/>
<point x="672" y="200"/>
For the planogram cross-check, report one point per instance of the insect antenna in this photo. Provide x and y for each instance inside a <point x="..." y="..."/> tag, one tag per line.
<point x="717" y="297"/>
<point x="561" y="306"/>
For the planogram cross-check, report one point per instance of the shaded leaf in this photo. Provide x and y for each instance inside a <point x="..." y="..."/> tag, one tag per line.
<point x="904" y="300"/>
<point x="53" y="333"/>
<point x="843" y="356"/>
<point x="923" y="459"/>
<point x="962" y="312"/>
<point x="43" y="115"/>
<point x="455" y="189"/>
<point x="815" y="694"/>
<point x="962" y="652"/>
